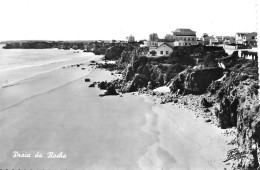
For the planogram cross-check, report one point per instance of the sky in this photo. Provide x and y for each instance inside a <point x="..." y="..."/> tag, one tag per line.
<point x="116" y="19"/>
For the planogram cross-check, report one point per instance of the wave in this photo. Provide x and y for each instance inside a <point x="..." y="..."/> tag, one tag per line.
<point x="18" y="81"/>
<point x="34" y="65"/>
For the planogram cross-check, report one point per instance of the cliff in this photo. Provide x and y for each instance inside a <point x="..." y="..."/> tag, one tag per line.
<point x="238" y="97"/>
<point x="195" y="81"/>
<point x="229" y="93"/>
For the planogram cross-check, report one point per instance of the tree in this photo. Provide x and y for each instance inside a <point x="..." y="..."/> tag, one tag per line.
<point x="153" y="52"/>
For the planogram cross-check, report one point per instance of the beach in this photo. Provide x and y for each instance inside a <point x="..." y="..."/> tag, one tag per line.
<point x="57" y="112"/>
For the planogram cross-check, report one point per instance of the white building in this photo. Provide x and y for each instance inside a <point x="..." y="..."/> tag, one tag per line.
<point x="162" y="50"/>
<point x="165" y="41"/>
<point x="184" y="37"/>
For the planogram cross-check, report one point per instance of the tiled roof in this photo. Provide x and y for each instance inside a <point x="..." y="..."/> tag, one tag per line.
<point x="165" y="40"/>
<point x="164" y="44"/>
<point x="184" y="31"/>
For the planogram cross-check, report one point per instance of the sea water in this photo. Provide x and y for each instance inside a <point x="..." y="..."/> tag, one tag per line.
<point x="19" y="64"/>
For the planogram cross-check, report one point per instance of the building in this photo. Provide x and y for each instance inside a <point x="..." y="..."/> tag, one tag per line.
<point x="246" y="38"/>
<point x="229" y="40"/>
<point x="184" y="37"/>
<point x="207" y="40"/>
<point x="130" y="38"/>
<point x="162" y="50"/>
<point x="239" y="37"/>
<point x="251" y="39"/>
<point x="220" y="39"/>
<point x="214" y="41"/>
<point x="169" y="37"/>
<point x="165" y="41"/>
<point x="153" y="40"/>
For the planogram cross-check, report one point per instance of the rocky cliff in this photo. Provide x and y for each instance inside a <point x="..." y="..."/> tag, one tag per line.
<point x="232" y="91"/>
<point x="233" y="95"/>
<point x="195" y="81"/>
<point x="238" y="96"/>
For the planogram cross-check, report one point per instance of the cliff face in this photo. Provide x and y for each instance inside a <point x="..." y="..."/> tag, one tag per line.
<point x="195" y="81"/>
<point x="238" y="96"/>
<point x="141" y="69"/>
<point x="114" y="52"/>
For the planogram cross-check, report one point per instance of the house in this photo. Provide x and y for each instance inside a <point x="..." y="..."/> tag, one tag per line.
<point x="228" y="40"/>
<point x="251" y="39"/>
<point x="239" y="37"/>
<point x="184" y="37"/>
<point x="214" y="41"/>
<point x="166" y="41"/>
<point x="162" y="50"/>
<point x="220" y="39"/>
<point x="246" y="38"/>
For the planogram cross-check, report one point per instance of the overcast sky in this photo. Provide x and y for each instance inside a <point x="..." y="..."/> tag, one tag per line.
<point x="115" y="19"/>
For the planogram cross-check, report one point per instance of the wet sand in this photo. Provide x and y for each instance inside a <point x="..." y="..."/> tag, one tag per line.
<point x="58" y="112"/>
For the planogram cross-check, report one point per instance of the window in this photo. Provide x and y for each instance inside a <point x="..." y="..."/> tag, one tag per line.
<point x="192" y="39"/>
<point x="179" y="44"/>
<point x="190" y="43"/>
<point x="185" y="43"/>
<point x="184" y="39"/>
<point x="167" y="52"/>
<point x="161" y="52"/>
<point x="188" y="39"/>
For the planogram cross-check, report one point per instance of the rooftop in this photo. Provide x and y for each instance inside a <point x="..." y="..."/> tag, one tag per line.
<point x="165" y="40"/>
<point x="184" y="31"/>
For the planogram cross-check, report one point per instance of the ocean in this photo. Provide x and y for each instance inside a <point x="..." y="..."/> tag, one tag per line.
<point x="20" y="64"/>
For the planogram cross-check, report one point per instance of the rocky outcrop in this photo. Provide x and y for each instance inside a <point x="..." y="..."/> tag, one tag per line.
<point x="195" y="81"/>
<point x="109" y="87"/>
<point x="238" y="95"/>
<point x="114" y="52"/>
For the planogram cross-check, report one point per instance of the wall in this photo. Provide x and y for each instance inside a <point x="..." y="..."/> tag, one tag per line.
<point x="163" y="48"/>
<point x="189" y="40"/>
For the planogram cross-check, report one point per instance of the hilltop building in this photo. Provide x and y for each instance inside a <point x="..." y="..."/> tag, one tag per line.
<point x="246" y="38"/>
<point x="169" y="42"/>
<point x="184" y="37"/>
<point x="162" y="50"/>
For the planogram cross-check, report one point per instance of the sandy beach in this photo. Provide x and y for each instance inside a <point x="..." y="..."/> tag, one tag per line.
<point x="57" y="112"/>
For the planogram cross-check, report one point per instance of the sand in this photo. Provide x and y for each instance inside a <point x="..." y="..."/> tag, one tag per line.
<point x="58" y="112"/>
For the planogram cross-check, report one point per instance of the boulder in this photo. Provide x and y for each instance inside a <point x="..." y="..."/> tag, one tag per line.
<point x="102" y="85"/>
<point x="87" y="80"/>
<point x="92" y="85"/>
